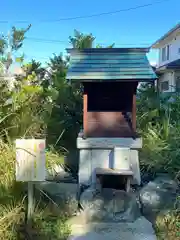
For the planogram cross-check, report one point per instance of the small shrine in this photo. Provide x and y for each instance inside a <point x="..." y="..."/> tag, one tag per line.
<point x="109" y="141"/>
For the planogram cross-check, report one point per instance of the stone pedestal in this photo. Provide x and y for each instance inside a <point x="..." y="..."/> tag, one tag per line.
<point x="100" y="153"/>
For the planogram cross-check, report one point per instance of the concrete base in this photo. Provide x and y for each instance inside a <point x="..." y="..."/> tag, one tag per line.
<point x="92" y="158"/>
<point x="108" y="143"/>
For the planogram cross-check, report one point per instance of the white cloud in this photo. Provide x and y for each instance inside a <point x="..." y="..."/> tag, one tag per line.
<point x="153" y="63"/>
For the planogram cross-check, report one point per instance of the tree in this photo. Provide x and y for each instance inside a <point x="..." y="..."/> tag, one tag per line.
<point x="24" y="109"/>
<point x="67" y="108"/>
<point x="81" y="41"/>
<point x="34" y="68"/>
<point x="110" y="46"/>
<point x="66" y="105"/>
<point x="10" y="44"/>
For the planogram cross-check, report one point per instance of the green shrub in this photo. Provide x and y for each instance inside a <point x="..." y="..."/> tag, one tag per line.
<point x="159" y="125"/>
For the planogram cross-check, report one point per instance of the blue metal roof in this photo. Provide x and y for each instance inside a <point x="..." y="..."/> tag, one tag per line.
<point x="174" y="65"/>
<point x="98" y="64"/>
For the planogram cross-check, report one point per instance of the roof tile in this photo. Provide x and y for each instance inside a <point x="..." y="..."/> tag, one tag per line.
<point x="110" y="64"/>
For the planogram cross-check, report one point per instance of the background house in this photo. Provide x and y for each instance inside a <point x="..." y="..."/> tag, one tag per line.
<point x="168" y="67"/>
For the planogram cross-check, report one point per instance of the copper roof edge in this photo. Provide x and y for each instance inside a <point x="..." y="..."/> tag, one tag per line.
<point x="107" y="50"/>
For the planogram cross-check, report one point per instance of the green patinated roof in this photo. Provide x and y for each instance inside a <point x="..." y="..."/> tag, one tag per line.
<point x="98" y="64"/>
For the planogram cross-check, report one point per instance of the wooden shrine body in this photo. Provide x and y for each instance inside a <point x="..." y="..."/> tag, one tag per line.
<point x="109" y="109"/>
<point x="109" y="143"/>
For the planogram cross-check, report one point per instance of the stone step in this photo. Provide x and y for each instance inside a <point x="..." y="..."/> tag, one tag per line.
<point x="110" y="171"/>
<point x="141" y="229"/>
<point x="109" y="205"/>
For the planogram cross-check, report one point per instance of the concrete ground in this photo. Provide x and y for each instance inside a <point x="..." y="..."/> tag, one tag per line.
<point x="141" y="229"/>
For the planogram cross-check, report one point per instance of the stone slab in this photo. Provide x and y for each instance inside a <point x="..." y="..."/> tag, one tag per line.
<point x="109" y="205"/>
<point x="110" y="171"/>
<point x="54" y="188"/>
<point x="141" y="229"/>
<point x="158" y="196"/>
<point x="108" y="143"/>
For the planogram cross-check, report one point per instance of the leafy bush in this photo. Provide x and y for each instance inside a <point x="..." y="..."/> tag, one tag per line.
<point x="158" y="123"/>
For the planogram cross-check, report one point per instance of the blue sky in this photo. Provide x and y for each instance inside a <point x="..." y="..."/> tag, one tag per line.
<point x="140" y="27"/>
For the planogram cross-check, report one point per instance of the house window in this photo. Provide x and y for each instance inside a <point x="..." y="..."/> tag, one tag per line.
<point x="165" y="53"/>
<point x="164" y="86"/>
<point x="178" y="84"/>
<point x="167" y="56"/>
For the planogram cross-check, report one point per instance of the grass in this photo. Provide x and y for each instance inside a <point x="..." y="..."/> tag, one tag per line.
<point x="168" y="226"/>
<point x="49" y="219"/>
<point x="161" y="154"/>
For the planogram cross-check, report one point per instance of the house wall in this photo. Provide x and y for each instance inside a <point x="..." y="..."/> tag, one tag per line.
<point x="174" y="51"/>
<point x="177" y="80"/>
<point x="177" y="74"/>
<point x="170" y="77"/>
